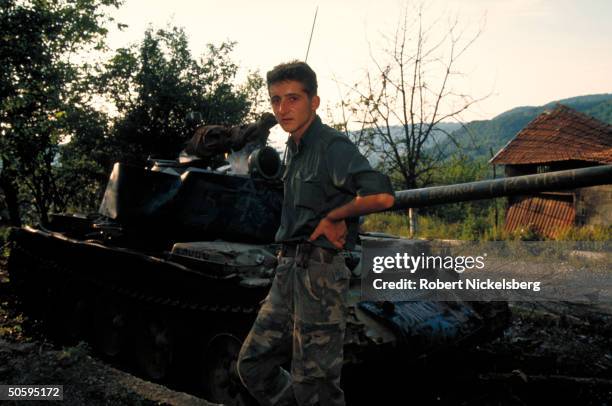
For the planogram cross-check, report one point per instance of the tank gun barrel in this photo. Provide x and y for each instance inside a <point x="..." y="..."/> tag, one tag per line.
<point x="510" y="186"/>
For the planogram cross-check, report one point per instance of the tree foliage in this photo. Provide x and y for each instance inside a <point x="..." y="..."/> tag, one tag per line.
<point x="57" y="144"/>
<point x="157" y="85"/>
<point x="42" y="92"/>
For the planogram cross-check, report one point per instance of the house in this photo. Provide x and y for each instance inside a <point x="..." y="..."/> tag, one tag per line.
<point x="556" y="140"/>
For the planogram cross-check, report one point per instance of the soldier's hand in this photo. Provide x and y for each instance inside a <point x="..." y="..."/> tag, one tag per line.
<point x="334" y="231"/>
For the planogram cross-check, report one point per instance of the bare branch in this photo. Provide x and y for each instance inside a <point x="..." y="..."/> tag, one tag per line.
<point x="409" y="95"/>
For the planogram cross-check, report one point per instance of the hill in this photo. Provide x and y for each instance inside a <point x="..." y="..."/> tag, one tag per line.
<point x="478" y="138"/>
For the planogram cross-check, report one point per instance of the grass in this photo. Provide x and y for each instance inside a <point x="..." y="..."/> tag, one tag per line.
<point x="474" y="228"/>
<point x="429" y="227"/>
<point x="586" y="233"/>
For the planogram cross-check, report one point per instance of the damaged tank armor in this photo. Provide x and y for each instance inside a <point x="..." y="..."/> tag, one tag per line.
<point x="168" y="276"/>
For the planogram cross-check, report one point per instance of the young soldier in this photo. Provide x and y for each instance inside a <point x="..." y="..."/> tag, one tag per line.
<point x="328" y="184"/>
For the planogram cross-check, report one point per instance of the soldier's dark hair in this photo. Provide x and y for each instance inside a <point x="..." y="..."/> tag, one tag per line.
<point x="294" y="70"/>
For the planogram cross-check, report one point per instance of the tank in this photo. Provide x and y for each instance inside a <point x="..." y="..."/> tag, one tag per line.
<point x="167" y="277"/>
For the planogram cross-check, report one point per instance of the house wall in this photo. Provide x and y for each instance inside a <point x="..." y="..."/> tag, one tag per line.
<point x="518" y="170"/>
<point x="594" y="205"/>
<point x="550" y="212"/>
<point x="529" y="169"/>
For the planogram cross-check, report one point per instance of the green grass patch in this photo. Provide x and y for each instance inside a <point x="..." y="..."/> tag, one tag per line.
<point x="474" y="228"/>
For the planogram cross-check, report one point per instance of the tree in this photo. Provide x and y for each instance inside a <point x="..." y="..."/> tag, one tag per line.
<point x="402" y="105"/>
<point x="460" y="168"/>
<point x="56" y="147"/>
<point x="157" y="85"/>
<point x="42" y="93"/>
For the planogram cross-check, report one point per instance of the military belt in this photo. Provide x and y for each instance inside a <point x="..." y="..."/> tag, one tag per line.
<point x="305" y="251"/>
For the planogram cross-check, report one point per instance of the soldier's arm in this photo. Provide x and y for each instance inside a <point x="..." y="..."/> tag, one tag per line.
<point x="333" y="226"/>
<point x="361" y="205"/>
<point x="353" y="174"/>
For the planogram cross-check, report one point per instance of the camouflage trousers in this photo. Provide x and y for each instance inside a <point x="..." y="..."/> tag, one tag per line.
<point x="302" y="320"/>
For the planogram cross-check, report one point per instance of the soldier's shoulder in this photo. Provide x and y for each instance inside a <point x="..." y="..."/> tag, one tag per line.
<point x="329" y="135"/>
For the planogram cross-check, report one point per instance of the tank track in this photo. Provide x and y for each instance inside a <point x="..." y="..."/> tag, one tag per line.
<point x="44" y="283"/>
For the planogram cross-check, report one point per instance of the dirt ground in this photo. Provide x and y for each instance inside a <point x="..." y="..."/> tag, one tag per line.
<point x="551" y="352"/>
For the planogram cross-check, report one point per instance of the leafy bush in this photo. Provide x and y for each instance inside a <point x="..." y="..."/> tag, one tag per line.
<point x="4" y="235"/>
<point x="390" y="223"/>
<point x="526" y="233"/>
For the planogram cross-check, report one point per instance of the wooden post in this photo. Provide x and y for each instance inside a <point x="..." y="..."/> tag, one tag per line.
<point x="495" y="200"/>
<point x="412" y="220"/>
<point x="494" y="177"/>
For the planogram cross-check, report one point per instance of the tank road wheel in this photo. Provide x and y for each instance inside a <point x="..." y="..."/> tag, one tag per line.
<point x="22" y="269"/>
<point x="221" y="380"/>
<point x="77" y="319"/>
<point x="69" y="312"/>
<point x="109" y="326"/>
<point x="155" y="349"/>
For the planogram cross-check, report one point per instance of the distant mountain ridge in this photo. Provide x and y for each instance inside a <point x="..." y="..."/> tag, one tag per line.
<point x="479" y="138"/>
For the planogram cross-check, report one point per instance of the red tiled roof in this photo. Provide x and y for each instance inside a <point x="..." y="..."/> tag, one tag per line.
<point x="560" y="135"/>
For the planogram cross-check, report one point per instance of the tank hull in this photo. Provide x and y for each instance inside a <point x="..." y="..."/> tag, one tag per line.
<point x="161" y="318"/>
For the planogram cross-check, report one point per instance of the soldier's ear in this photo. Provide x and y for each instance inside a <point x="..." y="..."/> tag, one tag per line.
<point x="315" y="102"/>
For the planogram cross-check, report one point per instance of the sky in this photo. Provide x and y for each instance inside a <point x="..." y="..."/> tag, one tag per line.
<point x="529" y="52"/>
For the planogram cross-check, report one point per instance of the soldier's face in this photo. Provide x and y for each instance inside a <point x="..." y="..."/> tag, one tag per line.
<point x="292" y="107"/>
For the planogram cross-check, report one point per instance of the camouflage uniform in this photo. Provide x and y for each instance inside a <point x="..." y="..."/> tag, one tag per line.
<point x="303" y="318"/>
